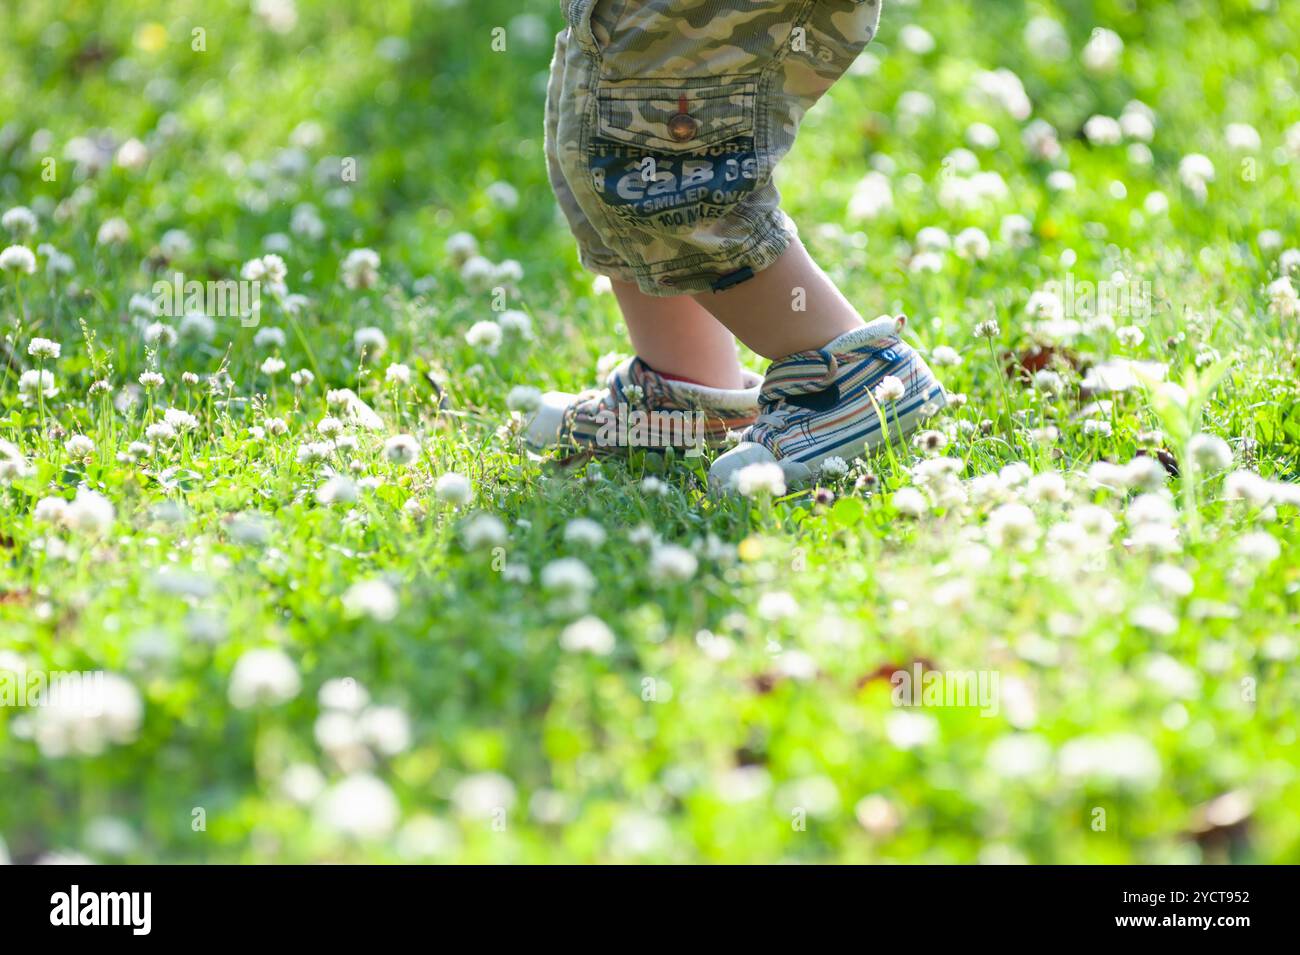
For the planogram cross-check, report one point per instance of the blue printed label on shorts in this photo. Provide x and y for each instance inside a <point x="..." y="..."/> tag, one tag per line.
<point x="672" y="190"/>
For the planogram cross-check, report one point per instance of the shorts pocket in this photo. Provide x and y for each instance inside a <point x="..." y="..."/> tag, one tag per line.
<point x="676" y="119"/>
<point x="674" y="157"/>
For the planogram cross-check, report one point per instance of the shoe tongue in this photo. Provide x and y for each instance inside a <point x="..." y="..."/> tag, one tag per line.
<point x="884" y="327"/>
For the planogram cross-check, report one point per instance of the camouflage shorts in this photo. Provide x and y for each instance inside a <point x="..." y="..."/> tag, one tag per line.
<point x="666" y="118"/>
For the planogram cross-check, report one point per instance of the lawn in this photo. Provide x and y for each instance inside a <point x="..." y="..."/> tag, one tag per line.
<point x="326" y="606"/>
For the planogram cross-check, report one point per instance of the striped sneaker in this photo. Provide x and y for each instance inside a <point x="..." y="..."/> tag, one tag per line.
<point x="818" y="404"/>
<point x="640" y="408"/>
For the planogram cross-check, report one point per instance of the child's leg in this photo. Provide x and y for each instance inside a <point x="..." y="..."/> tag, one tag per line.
<point x="791" y="306"/>
<point x="676" y="336"/>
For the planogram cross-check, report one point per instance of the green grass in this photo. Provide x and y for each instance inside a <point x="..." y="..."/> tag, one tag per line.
<point x="722" y="726"/>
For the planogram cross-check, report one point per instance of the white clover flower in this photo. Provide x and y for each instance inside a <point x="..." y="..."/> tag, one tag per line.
<point x="360" y="806"/>
<point x="908" y="730"/>
<point x="302" y="378"/>
<point x="104" y="709"/>
<point x="160" y="333"/>
<point x="910" y="502"/>
<point x="1049" y="487"/>
<point x="1103" y="50"/>
<point x="1154" y="619"/>
<point x="17" y="259"/>
<point x="972" y="243"/>
<point x="945" y="356"/>
<point x="1012" y="527"/>
<point x="1242" y="137"/>
<point x="275" y="426"/>
<point x="160" y="431"/>
<point x="1130" y="336"/>
<point x="1058" y="180"/>
<point x="930" y="441"/>
<point x="268" y="337"/>
<point x="517" y="323"/>
<point x="397" y="374"/>
<point x="460" y="247"/>
<point x="180" y="420"/>
<point x="175" y="244"/>
<point x="1210" y="452"/>
<point x="872" y="197"/>
<point x="1016" y="231"/>
<point x="1004" y="88"/>
<point x="1041" y="141"/>
<point x="776" y="605"/>
<point x="1258" y="547"/>
<point x="20" y="222"/>
<point x="485" y="336"/>
<point x="329" y="427"/>
<point x="1094" y="426"/>
<point x="151" y="379"/>
<point x="360" y="269"/>
<point x="1048" y="382"/>
<point x="1123" y="758"/>
<point x="477" y="273"/>
<point x="272" y="366"/>
<point x="1095" y="520"/>
<point x="1247" y="486"/>
<point x="44" y="348"/>
<point x="482" y="530"/>
<point x="1152" y="509"/>
<point x="584" y="532"/>
<point x="933" y="239"/>
<point x="524" y="398"/>
<point x="1144" y="472"/>
<point x="302" y="783"/>
<point x="762" y="479"/>
<point x="890" y="390"/>
<point x="263" y="677"/>
<point x="132" y="155"/>
<point x="1284" y="301"/>
<point x="337" y="490"/>
<point x="1195" y="170"/>
<point x="833" y="468"/>
<point x="588" y="635"/>
<point x="370" y="340"/>
<point x="652" y="486"/>
<point x="455" y="489"/>
<point x="1171" y="580"/>
<point x="1103" y="131"/>
<point x="568" y="575"/>
<point x="402" y="449"/>
<point x="386" y="729"/>
<point x="344" y="694"/>
<point x="113" y="231"/>
<point x="988" y="328"/>
<point x="79" y="446"/>
<point x="50" y="510"/>
<point x="671" y="563"/>
<point x="374" y="598"/>
<point x="483" y="795"/>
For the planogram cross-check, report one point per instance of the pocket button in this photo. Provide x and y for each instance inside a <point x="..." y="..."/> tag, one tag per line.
<point x="683" y="127"/>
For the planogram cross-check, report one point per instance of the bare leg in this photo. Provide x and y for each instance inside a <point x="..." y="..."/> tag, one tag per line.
<point x="764" y="312"/>
<point x="676" y="336"/>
